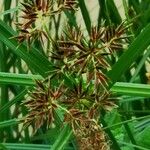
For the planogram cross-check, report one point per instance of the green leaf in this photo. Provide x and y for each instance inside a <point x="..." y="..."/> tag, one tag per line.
<point x="2" y="147"/>
<point x="133" y="146"/>
<point x="132" y="89"/>
<point x="142" y="90"/>
<point x="12" y="10"/>
<point x="140" y="65"/>
<point x="13" y="101"/>
<point x="63" y="138"/>
<point x="32" y="57"/>
<point x="85" y="14"/>
<point x="126" y="121"/>
<point x="115" y="16"/>
<point x="17" y="146"/>
<point x="71" y="18"/>
<point x="9" y="123"/>
<point x="19" y="79"/>
<point x="136" y="49"/>
<point x="115" y="144"/>
<point x="143" y="138"/>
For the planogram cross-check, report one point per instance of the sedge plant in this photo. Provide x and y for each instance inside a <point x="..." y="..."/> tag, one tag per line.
<point x="84" y="62"/>
<point x="66" y="95"/>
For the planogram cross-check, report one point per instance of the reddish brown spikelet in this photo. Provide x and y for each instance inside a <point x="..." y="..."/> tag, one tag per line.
<point x="41" y="106"/>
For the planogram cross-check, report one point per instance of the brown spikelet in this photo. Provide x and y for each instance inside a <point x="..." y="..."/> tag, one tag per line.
<point x="41" y="105"/>
<point x="95" y="140"/>
<point x="90" y="55"/>
<point x="31" y="11"/>
<point x="88" y="133"/>
<point x="113" y="37"/>
<point x="68" y="4"/>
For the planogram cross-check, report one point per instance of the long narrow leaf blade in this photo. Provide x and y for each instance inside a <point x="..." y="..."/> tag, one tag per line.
<point x="19" y="79"/>
<point x="85" y="15"/>
<point x="17" y="146"/>
<point x="142" y="90"/>
<point x="32" y="57"/>
<point x="13" y="101"/>
<point x="62" y="139"/>
<point x="9" y="123"/>
<point x="136" y="49"/>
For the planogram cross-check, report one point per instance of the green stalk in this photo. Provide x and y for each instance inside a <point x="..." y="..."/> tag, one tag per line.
<point x="129" y="132"/>
<point x="85" y="15"/>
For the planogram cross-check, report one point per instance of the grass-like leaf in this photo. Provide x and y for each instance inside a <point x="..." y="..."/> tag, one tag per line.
<point x="85" y="15"/>
<point x="32" y="57"/>
<point x="9" y="11"/>
<point x="136" y="49"/>
<point x="132" y="145"/>
<point x="17" y="146"/>
<point x="63" y="138"/>
<point x="9" y="123"/>
<point x="133" y="89"/>
<point x="13" y="101"/>
<point x="19" y="79"/>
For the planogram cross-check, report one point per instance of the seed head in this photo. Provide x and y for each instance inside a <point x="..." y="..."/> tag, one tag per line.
<point x="41" y="106"/>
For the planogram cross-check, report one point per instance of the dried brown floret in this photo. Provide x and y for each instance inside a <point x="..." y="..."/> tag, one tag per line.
<point x="68" y="4"/>
<point x="41" y="105"/>
<point x="88" y="133"/>
<point x="36" y="17"/>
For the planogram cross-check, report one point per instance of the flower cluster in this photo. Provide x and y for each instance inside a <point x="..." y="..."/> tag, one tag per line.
<point x="89" y="134"/>
<point x="78" y="85"/>
<point x="41" y="105"/>
<point x="36" y="17"/>
<point x="90" y="56"/>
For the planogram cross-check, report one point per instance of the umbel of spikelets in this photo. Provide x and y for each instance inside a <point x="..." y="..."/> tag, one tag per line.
<point x="41" y="105"/>
<point x="36" y="16"/>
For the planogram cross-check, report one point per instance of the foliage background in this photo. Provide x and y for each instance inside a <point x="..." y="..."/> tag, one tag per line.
<point x="127" y="126"/>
